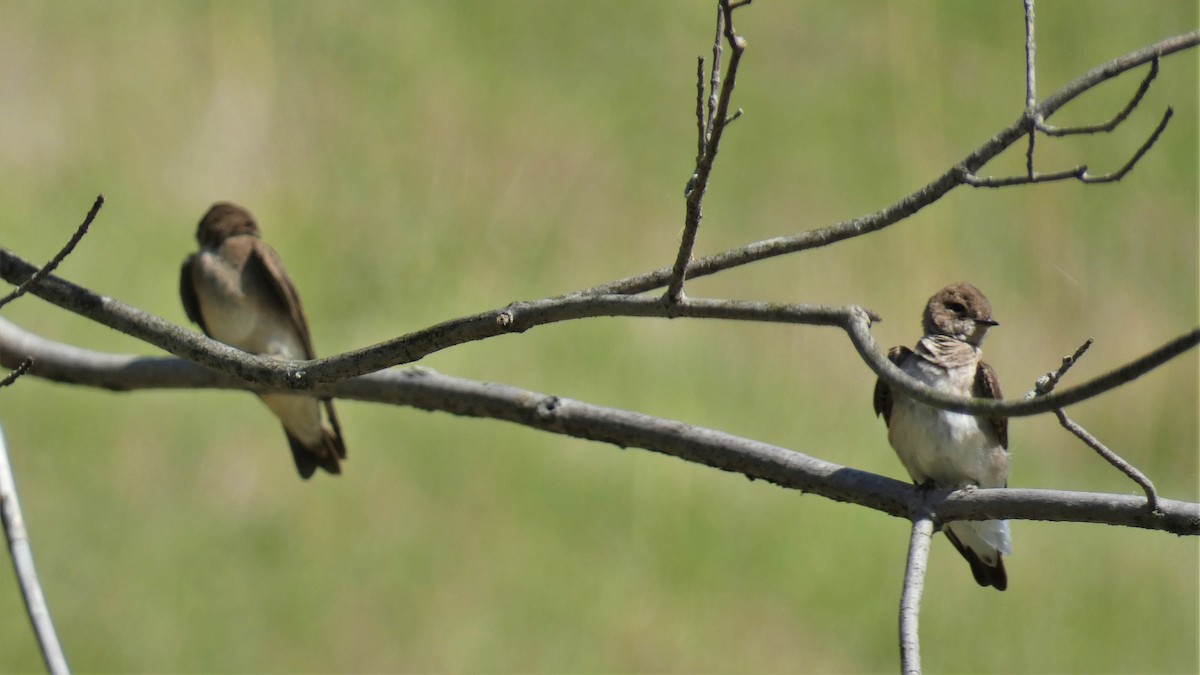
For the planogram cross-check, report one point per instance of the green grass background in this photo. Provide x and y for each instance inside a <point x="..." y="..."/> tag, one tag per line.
<point x="413" y="162"/>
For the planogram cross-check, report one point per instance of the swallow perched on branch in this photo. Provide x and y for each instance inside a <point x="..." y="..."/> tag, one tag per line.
<point x="236" y="289"/>
<point x="950" y="450"/>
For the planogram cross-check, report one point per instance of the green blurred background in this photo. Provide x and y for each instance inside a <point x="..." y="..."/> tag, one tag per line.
<point x="417" y="162"/>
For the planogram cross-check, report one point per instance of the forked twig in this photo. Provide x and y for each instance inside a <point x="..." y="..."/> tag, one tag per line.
<point x="710" y="129"/>
<point x="1035" y="122"/>
<point x="1105" y="127"/>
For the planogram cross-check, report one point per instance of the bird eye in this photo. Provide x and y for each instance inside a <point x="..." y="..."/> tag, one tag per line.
<point x="956" y="307"/>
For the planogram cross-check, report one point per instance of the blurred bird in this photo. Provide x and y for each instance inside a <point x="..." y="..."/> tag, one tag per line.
<point x="236" y="289"/>
<point x="949" y="450"/>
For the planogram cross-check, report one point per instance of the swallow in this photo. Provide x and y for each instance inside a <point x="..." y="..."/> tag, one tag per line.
<point x="236" y="289"/>
<point x="950" y="450"/>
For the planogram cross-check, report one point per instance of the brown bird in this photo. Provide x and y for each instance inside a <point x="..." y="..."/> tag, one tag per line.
<point x="236" y="289"/>
<point x="949" y="450"/>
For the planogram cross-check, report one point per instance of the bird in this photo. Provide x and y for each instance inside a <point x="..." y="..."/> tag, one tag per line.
<point x="236" y="288"/>
<point x="948" y="450"/>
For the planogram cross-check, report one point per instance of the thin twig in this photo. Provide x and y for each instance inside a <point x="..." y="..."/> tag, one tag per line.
<point x="700" y="126"/>
<point x="1112" y="458"/>
<point x="1046" y="383"/>
<point x="59" y="257"/>
<point x="910" y="598"/>
<point x="1105" y="127"/>
<point x="718" y="118"/>
<point x="1030" y="86"/>
<point x="714" y="83"/>
<point x="17" y="372"/>
<point x="1080" y="172"/>
<point x="22" y="557"/>
<point x="1120" y="173"/>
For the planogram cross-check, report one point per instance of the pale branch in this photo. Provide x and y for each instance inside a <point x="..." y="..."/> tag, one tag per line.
<point x="700" y="126"/>
<point x="431" y="391"/>
<point x="953" y="177"/>
<point x="711" y="132"/>
<point x="22" y="557"/>
<point x="1046" y="383"/>
<point x="910" y="597"/>
<point x="1030" y="86"/>
<point x="54" y="262"/>
<point x="277" y="374"/>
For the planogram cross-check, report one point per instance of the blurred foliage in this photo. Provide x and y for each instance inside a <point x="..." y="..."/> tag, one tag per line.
<point x="416" y="162"/>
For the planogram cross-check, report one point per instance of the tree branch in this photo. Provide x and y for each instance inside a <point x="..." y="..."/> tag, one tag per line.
<point x="17" y="372"/>
<point x="54" y="262"/>
<point x="276" y="374"/>
<point x="910" y="598"/>
<point x="936" y="189"/>
<point x="22" y="557"/>
<point x="1111" y="124"/>
<point x="431" y="391"/>
<point x="1046" y="384"/>
<point x="711" y="132"/>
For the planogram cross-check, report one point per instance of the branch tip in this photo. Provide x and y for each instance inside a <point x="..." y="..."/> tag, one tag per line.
<point x="21" y="369"/>
<point x="54" y="262"/>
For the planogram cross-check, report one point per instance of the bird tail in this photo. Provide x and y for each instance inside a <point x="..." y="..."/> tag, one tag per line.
<point x="983" y="543"/>
<point x="325" y="454"/>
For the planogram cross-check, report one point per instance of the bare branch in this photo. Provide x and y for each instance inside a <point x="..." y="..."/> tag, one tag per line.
<point x="912" y="203"/>
<point x="1108" y="126"/>
<point x="22" y="557"/>
<point x="58" y="258"/>
<point x="427" y="390"/>
<point x="1112" y="458"/>
<point x="910" y="598"/>
<point x="1120" y="173"/>
<point x="1030" y="86"/>
<point x="718" y="119"/>
<point x="700" y="126"/>
<point x="867" y="348"/>
<point x="1046" y="384"/>
<point x="714" y="82"/>
<point x="21" y="369"/>
<point x="277" y="374"/>
<point x="1080" y="172"/>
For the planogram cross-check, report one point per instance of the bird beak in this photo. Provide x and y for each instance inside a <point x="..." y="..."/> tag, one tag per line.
<point x="987" y="322"/>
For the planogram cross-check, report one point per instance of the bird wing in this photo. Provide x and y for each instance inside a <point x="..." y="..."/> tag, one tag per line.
<point x="987" y="385"/>
<point x="265" y="263"/>
<point x="883" y="392"/>
<point x="270" y="267"/>
<point x="187" y="292"/>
